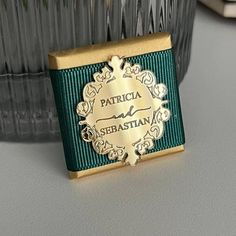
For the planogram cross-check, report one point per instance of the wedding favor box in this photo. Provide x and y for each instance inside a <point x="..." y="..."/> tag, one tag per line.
<point x="118" y="103"/>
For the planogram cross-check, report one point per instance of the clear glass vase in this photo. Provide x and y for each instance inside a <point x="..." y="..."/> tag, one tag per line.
<point x="29" y="29"/>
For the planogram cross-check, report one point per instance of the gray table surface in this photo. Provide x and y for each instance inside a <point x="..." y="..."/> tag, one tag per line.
<point x="191" y="193"/>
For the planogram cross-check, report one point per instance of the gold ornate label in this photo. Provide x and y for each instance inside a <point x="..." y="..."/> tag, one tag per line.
<point x="123" y="111"/>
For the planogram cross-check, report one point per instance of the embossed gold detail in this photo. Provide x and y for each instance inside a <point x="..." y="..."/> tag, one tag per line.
<point x="123" y="110"/>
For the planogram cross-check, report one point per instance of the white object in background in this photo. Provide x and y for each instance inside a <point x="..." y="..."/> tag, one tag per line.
<point x="224" y="8"/>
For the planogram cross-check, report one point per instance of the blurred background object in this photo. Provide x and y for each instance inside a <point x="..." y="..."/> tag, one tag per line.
<point x="226" y="8"/>
<point x="31" y="28"/>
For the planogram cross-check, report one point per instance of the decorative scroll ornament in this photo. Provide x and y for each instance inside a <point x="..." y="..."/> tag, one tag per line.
<point x="123" y="111"/>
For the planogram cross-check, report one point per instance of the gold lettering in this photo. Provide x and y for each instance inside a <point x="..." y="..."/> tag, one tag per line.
<point x="120" y="98"/>
<point x="103" y="102"/>
<point x="125" y="126"/>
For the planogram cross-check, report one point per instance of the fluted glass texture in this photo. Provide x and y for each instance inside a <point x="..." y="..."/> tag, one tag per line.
<point x="29" y="29"/>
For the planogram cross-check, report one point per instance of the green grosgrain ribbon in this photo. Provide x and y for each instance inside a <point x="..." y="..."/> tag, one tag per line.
<point x="68" y="85"/>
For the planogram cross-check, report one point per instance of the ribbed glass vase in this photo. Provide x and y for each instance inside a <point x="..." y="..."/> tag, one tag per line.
<point x="29" y="29"/>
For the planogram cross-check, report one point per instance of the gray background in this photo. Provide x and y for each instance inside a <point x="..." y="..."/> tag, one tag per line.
<point x="191" y="193"/>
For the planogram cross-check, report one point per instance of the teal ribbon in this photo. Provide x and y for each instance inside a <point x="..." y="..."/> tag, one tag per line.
<point x="68" y="87"/>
